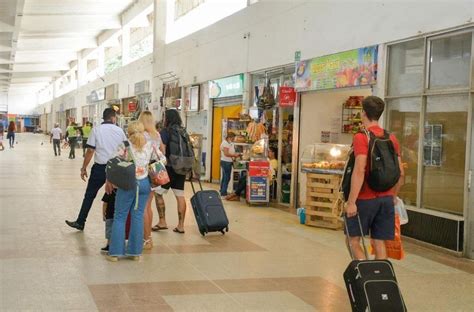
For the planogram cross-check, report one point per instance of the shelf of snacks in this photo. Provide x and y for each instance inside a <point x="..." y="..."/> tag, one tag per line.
<point x="352" y="114"/>
<point x="325" y="158"/>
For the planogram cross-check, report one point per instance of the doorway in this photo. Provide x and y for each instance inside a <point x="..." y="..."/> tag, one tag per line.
<point x="219" y="116"/>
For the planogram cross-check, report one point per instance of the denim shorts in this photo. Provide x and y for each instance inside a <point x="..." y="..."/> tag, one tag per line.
<point x="377" y="217"/>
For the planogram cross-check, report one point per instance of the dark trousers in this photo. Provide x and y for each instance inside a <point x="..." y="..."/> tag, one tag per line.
<point x="72" y="145"/>
<point x="84" y="144"/>
<point x="57" y="147"/>
<point x="242" y="185"/>
<point x="226" y="167"/>
<point x="96" y="181"/>
<point x="11" y="138"/>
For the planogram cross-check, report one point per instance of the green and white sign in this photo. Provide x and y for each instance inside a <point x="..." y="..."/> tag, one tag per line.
<point x="226" y="87"/>
<point x="297" y="56"/>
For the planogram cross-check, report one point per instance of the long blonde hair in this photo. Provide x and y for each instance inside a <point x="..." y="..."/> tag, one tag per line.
<point x="136" y="134"/>
<point x="146" y="117"/>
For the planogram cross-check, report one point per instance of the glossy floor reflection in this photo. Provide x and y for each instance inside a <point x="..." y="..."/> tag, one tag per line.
<point x="267" y="262"/>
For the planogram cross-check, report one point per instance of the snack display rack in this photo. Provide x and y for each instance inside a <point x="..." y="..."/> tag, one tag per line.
<point x="324" y="164"/>
<point x="351" y="114"/>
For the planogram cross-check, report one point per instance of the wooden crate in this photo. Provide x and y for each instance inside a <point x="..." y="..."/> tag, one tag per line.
<point x="323" y="200"/>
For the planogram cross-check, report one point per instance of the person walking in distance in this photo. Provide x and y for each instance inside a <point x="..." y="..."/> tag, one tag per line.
<point x="102" y="144"/>
<point x="71" y="135"/>
<point x="1" y="136"/>
<point x="56" y="137"/>
<point x="86" y="131"/>
<point x="372" y="195"/>
<point x="11" y="134"/>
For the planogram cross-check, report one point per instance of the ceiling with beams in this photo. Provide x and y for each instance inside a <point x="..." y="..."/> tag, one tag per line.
<point x="40" y="38"/>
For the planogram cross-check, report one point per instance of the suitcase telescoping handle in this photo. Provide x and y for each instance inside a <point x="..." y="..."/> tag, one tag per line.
<point x="349" y="244"/>
<point x="192" y="185"/>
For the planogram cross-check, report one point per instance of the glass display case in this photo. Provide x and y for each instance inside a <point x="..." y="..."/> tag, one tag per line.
<point x="325" y="158"/>
<point x="259" y="149"/>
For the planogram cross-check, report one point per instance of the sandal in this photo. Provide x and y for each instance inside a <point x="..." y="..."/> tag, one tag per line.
<point x="176" y="230"/>
<point x="147" y="244"/>
<point x="157" y="228"/>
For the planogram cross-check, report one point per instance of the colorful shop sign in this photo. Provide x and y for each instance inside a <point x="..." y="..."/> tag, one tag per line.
<point x="352" y="68"/>
<point x="226" y="87"/>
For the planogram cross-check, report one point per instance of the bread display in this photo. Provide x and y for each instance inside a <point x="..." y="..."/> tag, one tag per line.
<point x="338" y="164"/>
<point x="324" y="158"/>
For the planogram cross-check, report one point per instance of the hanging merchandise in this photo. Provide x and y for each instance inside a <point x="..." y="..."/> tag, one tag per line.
<point x="171" y="92"/>
<point x="255" y="131"/>
<point x="267" y="100"/>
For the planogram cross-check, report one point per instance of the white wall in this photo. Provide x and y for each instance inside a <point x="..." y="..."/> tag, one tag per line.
<point x="279" y="28"/>
<point x="22" y="103"/>
<point x="3" y="102"/>
<point x="125" y="76"/>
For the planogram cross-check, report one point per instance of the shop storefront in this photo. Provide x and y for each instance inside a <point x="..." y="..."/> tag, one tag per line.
<point x="143" y="94"/>
<point x="330" y="89"/>
<point x="429" y="96"/>
<point x="196" y="99"/>
<point x="95" y="107"/>
<point x="278" y="123"/>
<point x="227" y="104"/>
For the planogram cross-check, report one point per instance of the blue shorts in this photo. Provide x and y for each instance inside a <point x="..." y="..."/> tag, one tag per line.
<point x="377" y="217"/>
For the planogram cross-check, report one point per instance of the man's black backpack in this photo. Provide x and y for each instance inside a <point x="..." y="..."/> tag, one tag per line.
<point x="181" y="153"/>
<point x="382" y="164"/>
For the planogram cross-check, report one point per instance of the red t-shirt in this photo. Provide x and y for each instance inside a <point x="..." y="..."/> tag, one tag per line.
<point x="361" y="147"/>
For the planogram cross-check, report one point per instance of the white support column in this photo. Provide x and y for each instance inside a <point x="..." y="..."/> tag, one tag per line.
<point x="125" y="45"/>
<point x="159" y="43"/>
<point x="55" y="89"/>
<point x="81" y="70"/>
<point x="101" y="61"/>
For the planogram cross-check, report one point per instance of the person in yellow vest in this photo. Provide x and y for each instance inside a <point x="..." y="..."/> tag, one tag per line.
<point x="71" y="135"/>
<point x="86" y="130"/>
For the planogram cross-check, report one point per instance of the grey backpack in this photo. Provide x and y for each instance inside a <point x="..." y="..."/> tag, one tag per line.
<point x="121" y="172"/>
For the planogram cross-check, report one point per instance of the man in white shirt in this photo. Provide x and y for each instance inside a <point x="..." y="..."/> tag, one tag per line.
<point x="227" y="153"/>
<point x="102" y="144"/>
<point x="56" y="137"/>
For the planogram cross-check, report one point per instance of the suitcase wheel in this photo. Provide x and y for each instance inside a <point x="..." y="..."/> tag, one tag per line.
<point x="222" y="231"/>
<point x="227" y="229"/>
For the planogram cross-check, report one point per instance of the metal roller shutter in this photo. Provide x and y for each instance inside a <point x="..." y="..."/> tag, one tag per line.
<point x="228" y="101"/>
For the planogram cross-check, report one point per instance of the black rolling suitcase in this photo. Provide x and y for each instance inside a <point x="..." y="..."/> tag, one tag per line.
<point x="371" y="284"/>
<point x="209" y="211"/>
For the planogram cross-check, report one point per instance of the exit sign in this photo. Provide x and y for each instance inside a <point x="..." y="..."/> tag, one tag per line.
<point x="297" y="56"/>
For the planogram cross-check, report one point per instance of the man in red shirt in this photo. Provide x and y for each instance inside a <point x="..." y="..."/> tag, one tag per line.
<point x="375" y="209"/>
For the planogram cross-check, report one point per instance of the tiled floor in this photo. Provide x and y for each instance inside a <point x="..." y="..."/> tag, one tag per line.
<point x="267" y="262"/>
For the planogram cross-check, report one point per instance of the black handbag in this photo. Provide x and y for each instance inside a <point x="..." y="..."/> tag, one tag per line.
<point x="122" y="172"/>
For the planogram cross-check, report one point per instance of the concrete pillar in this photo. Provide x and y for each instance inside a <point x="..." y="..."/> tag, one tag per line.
<point x="159" y="43"/>
<point x="81" y="70"/>
<point x="125" y="45"/>
<point x="101" y="61"/>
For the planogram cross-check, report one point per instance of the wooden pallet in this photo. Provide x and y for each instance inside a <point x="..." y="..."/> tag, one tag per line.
<point x="323" y="201"/>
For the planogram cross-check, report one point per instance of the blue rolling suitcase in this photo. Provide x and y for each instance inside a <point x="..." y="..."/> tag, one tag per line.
<point x="209" y="211"/>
